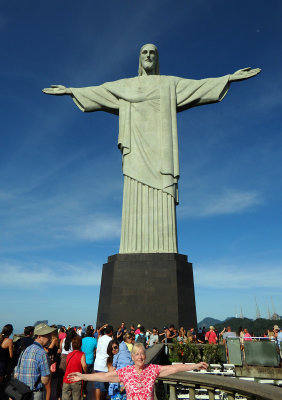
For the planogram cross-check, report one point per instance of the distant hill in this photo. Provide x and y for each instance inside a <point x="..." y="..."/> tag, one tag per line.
<point x="255" y="327"/>
<point x="208" y="321"/>
<point x="226" y="319"/>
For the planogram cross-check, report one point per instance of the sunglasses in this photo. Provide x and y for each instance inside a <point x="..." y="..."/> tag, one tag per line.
<point x="115" y="347"/>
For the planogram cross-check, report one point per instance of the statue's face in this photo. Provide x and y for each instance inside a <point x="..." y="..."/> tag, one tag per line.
<point x="148" y="57"/>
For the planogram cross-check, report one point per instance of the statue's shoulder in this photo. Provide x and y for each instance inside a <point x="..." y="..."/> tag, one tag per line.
<point x="121" y="82"/>
<point x="169" y="80"/>
<point x="137" y="79"/>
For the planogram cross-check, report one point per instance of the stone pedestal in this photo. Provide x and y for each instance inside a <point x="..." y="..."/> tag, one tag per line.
<point x="152" y="289"/>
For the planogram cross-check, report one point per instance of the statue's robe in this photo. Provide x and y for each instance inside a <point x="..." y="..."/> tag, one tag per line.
<point x="147" y="107"/>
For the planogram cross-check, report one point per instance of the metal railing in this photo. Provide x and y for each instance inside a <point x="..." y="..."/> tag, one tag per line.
<point x="225" y="388"/>
<point x="217" y="387"/>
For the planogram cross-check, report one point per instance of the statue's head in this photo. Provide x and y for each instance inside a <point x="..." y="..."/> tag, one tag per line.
<point x="149" y="60"/>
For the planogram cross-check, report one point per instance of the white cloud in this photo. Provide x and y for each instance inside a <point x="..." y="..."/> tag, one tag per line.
<point x="98" y="227"/>
<point x="4" y="196"/>
<point x="228" y="201"/>
<point x="46" y="272"/>
<point x="73" y="210"/>
<point x="238" y="276"/>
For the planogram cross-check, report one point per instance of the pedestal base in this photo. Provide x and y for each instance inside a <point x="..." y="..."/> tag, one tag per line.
<point x="151" y="289"/>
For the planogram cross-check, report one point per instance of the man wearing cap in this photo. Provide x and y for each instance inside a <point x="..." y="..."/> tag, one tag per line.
<point x="33" y="367"/>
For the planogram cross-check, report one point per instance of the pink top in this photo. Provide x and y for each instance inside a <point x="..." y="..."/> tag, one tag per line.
<point x="247" y="336"/>
<point x="139" y="386"/>
<point x="62" y="335"/>
<point x="211" y="336"/>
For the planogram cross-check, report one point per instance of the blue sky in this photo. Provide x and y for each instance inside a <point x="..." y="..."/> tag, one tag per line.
<point x="61" y="180"/>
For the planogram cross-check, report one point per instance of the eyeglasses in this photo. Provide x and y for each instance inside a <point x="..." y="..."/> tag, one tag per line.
<point x="115" y="347"/>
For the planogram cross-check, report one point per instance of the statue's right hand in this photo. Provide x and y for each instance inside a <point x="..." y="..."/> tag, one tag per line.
<point x="57" y="90"/>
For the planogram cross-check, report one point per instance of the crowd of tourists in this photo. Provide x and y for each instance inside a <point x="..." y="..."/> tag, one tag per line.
<point x="57" y="363"/>
<point x="212" y="335"/>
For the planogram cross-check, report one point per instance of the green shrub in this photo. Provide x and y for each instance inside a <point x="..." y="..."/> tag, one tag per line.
<point x="185" y="353"/>
<point x="191" y="353"/>
<point x="211" y="354"/>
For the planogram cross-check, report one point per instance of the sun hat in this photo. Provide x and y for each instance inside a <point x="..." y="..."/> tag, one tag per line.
<point x="212" y="327"/>
<point x="43" y="329"/>
<point x="276" y="327"/>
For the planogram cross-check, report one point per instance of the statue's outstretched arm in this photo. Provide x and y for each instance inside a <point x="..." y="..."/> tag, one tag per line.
<point x="244" y="73"/>
<point x="57" y="90"/>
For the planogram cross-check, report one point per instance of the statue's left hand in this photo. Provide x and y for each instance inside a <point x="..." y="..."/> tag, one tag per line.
<point x="244" y="73"/>
<point x="57" y="90"/>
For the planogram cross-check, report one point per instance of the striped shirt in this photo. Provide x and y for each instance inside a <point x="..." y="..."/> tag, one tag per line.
<point x="32" y="365"/>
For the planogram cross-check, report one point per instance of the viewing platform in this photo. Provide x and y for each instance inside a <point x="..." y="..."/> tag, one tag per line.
<point x="233" y="383"/>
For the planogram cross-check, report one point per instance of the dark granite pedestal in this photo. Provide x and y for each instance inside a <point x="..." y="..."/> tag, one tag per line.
<point x="152" y="289"/>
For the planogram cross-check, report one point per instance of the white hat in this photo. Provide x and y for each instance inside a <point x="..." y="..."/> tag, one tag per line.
<point x="43" y="329"/>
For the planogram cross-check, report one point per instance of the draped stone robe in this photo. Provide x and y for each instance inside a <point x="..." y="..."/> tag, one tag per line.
<point x="147" y="107"/>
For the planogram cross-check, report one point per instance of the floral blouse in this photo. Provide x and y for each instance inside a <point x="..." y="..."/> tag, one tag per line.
<point x="139" y="386"/>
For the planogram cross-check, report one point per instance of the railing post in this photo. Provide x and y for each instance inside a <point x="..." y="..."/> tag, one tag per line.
<point x="192" y="395"/>
<point x="172" y="392"/>
<point x="211" y="393"/>
<point x="155" y="393"/>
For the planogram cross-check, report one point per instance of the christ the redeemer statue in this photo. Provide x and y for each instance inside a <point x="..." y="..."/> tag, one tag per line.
<point x="147" y="107"/>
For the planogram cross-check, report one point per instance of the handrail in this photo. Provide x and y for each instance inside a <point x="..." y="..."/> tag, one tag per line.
<point x="228" y="385"/>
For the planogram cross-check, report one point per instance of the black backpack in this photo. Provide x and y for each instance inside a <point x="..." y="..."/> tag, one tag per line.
<point x="141" y="339"/>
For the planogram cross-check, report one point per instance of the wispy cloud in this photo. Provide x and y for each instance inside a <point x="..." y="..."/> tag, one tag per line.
<point x="227" y="201"/>
<point x="96" y="227"/>
<point x="46" y="272"/>
<point x="49" y="224"/>
<point x="238" y="276"/>
<point x="76" y="204"/>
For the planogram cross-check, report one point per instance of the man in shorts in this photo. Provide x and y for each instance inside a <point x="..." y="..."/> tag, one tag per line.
<point x="100" y="364"/>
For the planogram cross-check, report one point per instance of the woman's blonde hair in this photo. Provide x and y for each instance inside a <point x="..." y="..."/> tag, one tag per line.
<point x="138" y="346"/>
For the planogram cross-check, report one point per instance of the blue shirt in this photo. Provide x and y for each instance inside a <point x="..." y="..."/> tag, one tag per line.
<point x="89" y="344"/>
<point x="32" y="365"/>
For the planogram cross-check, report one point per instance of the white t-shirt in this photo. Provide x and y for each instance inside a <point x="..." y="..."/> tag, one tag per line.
<point x="228" y="335"/>
<point x="64" y="351"/>
<point x="153" y="339"/>
<point x="100" y="363"/>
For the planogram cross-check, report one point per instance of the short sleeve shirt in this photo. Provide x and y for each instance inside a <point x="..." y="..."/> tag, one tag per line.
<point x="89" y="344"/>
<point x="228" y="335"/>
<point x="139" y="386"/>
<point x="247" y="337"/>
<point x="211" y="336"/>
<point x="32" y="365"/>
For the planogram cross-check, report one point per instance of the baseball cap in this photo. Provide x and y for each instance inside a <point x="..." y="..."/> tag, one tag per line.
<point x="43" y="329"/>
